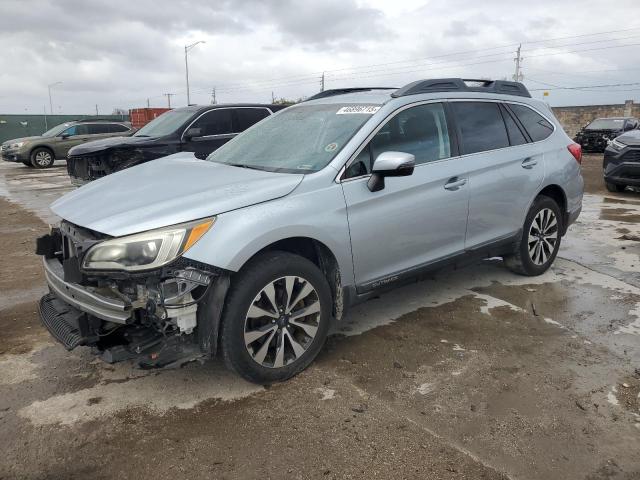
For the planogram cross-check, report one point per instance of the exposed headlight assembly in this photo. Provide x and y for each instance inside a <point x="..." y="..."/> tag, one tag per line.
<point x="618" y="145"/>
<point x="147" y="250"/>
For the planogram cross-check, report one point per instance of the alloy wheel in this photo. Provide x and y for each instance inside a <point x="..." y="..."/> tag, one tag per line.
<point x="282" y="322"/>
<point x="543" y="236"/>
<point x="43" y="158"/>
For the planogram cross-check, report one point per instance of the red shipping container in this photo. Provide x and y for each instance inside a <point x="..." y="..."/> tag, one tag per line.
<point x="139" y="117"/>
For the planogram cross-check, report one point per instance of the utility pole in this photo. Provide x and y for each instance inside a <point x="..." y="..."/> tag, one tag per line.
<point x="50" y="102"/>
<point x="97" y="110"/>
<point x="186" y="65"/>
<point x="518" y="76"/>
<point x="148" y="103"/>
<point x="46" y="124"/>
<point x="169" y="95"/>
<point x="213" y="96"/>
<point x="322" y="83"/>
<point x="273" y="98"/>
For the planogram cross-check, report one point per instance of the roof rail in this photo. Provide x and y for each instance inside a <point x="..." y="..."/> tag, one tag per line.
<point x="502" y="87"/>
<point x="83" y="120"/>
<point x="342" y="91"/>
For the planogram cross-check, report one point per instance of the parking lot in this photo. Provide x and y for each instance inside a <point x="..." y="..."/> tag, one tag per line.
<point x="475" y="373"/>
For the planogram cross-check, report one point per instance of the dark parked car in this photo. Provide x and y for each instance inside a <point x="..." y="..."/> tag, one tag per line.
<point x="42" y="150"/>
<point x="595" y="136"/>
<point x="195" y="129"/>
<point x="622" y="162"/>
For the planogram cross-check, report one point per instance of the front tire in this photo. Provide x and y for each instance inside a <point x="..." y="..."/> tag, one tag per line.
<point x="42" y="158"/>
<point x="614" y="187"/>
<point x="276" y="317"/>
<point x="540" y="240"/>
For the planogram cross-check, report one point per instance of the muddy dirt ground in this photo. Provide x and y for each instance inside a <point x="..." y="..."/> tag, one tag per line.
<point x="472" y="374"/>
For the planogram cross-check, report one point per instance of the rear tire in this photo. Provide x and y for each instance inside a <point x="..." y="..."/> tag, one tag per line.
<point x="614" y="187"/>
<point x="267" y="335"/>
<point x="540" y="240"/>
<point x="42" y="157"/>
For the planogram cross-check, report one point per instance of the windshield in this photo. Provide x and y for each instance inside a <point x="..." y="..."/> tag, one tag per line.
<point x="165" y="124"/>
<point x="606" y="124"/>
<point x="299" y="139"/>
<point x="57" y="130"/>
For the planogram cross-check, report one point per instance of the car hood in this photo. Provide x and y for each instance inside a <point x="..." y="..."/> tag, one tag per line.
<point x="112" y="142"/>
<point x="22" y="139"/>
<point x="630" y="138"/>
<point x="171" y="190"/>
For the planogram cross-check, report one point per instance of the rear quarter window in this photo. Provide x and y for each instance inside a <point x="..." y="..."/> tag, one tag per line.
<point x="535" y="124"/>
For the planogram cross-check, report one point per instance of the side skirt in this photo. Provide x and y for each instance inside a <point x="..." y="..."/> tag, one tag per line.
<point x="468" y="257"/>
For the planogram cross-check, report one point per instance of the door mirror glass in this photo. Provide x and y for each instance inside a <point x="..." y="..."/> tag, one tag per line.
<point x="390" y="164"/>
<point x="193" y="132"/>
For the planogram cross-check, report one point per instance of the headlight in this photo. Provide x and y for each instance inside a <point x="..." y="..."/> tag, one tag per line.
<point x="145" y="251"/>
<point x="16" y="145"/>
<point x="617" y="144"/>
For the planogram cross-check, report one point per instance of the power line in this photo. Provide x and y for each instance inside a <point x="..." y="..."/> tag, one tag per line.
<point x="411" y="64"/>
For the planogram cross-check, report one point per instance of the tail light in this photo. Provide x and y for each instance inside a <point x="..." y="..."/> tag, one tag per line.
<point x="576" y="151"/>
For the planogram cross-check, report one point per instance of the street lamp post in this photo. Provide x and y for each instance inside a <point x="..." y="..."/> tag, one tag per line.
<point x="50" y="102"/>
<point x="186" y="65"/>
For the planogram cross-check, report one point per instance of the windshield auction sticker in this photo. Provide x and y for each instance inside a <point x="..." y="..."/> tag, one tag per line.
<point x="366" y="109"/>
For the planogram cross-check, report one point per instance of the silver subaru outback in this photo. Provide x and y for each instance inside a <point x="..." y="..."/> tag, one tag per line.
<point x="252" y="253"/>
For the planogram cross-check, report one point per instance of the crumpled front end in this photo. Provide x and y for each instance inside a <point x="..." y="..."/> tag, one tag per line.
<point x="157" y="318"/>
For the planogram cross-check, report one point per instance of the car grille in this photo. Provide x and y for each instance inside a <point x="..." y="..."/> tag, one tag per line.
<point x="631" y="156"/>
<point x="86" y="167"/>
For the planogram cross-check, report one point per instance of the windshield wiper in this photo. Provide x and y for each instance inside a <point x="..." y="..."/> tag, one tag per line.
<point x="250" y="167"/>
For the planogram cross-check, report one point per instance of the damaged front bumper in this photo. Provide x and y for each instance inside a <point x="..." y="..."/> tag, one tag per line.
<point x="158" y="318"/>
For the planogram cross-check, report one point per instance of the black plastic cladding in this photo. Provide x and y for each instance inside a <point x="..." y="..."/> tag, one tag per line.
<point x="502" y="87"/>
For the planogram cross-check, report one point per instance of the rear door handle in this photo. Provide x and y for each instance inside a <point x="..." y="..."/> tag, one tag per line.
<point x="455" y="183"/>
<point x="529" y="163"/>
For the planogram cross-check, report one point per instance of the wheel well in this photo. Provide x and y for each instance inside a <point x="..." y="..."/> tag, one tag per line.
<point x="45" y="147"/>
<point x="321" y="256"/>
<point x="556" y="193"/>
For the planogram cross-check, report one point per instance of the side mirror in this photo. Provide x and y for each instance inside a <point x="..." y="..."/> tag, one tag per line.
<point x="390" y="164"/>
<point x="65" y="136"/>
<point x="628" y="127"/>
<point x="193" y="133"/>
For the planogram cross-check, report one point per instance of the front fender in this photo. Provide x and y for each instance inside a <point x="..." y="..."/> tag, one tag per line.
<point x="240" y="234"/>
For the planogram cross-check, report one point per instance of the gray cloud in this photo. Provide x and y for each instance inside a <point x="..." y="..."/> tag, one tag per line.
<point x="121" y="52"/>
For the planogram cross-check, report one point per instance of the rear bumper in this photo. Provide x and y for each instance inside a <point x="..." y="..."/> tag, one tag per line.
<point x="572" y="217"/>
<point x="80" y="298"/>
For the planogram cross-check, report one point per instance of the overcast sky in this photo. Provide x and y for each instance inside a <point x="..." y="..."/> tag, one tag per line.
<point x="118" y="53"/>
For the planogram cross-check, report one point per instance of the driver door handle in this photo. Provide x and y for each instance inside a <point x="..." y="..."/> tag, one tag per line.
<point x="455" y="183"/>
<point x="529" y="163"/>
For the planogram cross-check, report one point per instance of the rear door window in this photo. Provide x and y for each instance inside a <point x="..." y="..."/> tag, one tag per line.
<point x="97" y="128"/>
<point x="535" y="124"/>
<point x="516" y="137"/>
<point x="117" y="128"/>
<point x="215" y="122"/>
<point x="247" y="117"/>
<point x="480" y="125"/>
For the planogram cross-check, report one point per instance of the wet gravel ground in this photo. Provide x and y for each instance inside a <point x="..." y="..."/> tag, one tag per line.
<point x="472" y="374"/>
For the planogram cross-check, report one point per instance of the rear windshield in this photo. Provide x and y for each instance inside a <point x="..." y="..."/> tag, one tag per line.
<point x="165" y="124"/>
<point x="300" y="139"/>
<point x="606" y="124"/>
